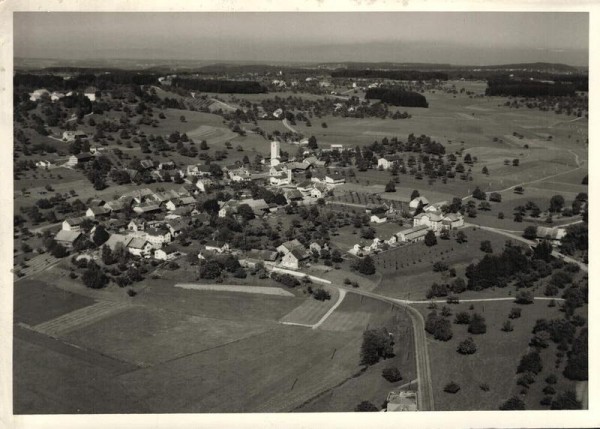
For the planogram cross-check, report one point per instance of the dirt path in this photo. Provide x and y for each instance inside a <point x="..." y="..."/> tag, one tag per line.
<point x="289" y="127"/>
<point x="331" y="310"/>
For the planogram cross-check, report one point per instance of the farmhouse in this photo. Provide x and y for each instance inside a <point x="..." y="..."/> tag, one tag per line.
<point x="203" y="184"/>
<point x="553" y="234"/>
<point x="414" y="234"/>
<point x="68" y="239"/>
<point x="432" y="220"/>
<point x="136" y="225"/>
<point x="215" y="246"/>
<point x="416" y="202"/>
<point x="72" y="224"/>
<point x="139" y="247"/>
<point x="69" y="136"/>
<point x="292" y="259"/>
<point x="386" y="162"/>
<point x="453" y="221"/>
<point x="167" y="253"/>
<point x="378" y="219"/>
<point x="80" y="158"/>
<point x="95" y="212"/>
<point x="115" y="206"/>
<point x="158" y="236"/>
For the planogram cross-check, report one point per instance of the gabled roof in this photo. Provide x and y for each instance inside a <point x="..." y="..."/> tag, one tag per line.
<point x="137" y="243"/>
<point x="75" y="221"/>
<point x="99" y="210"/>
<point x="115" y="239"/>
<point x="67" y="236"/>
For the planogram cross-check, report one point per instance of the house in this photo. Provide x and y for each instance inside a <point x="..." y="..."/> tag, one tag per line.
<point x="72" y="224"/>
<point x="70" y="136"/>
<point x="292" y="259"/>
<point x="198" y="170"/>
<point x="136" y="225"/>
<point x="94" y="212"/>
<point x="335" y="179"/>
<point x="167" y="253"/>
<point x="68" y="239"/>
<point x="293" y="195"/>
<point x="453" y="221"/>
<point x="318" y="191"/>
<point x="215" y="246"/>
<point x="387" y="162"/>
<point x="167" y="165"/>
<point x="117" y="239"/>
<point x="158" y="236"/>
<point x="338" y="147"/>
<point x="139" y="247"/>
<point x="203" y="185"/>
<point x="176" y="226"/>
<point x="90" y="93"/>
<point x="138" y="195"/>
<point x="38" y="93"/>
<point x="294" y="245"/>
<point x="402" y="401"/>
<point x="175" y="203"/>
<point x="299" y="167"/>
<point x="115" y="206"/>
<point x="378" y="219"/>
<point x="317" y="247"/>
<point x="147" y="164"/>
<point x="281" y="179"/>
<point x="44" y="164"/>
<point x="305" y="186"/>
<point x="80" y="158"/>
<point x="414" y="204"/>
<point x="240" y="174"/>
<point x="414" y="234"/>
<point x="259" y="207"/>
<point x="228" y="207"/>
<point x="553" y="234"/>
<point x="146" y="208"/>
<point x="432" y="220"/>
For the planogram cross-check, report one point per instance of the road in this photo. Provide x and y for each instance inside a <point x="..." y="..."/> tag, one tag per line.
<point x="425" y="391"/>
<point x="289" y="127"/>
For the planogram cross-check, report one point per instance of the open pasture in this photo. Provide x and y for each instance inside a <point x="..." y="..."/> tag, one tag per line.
<point x="495" y="361"/>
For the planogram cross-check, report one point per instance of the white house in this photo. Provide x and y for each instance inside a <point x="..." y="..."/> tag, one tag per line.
<point x="414" y="234"/>
<point x="432" y="220"/>
<point x="167" y="253"/>
<point x="139" y="247"/>
<point x="72" y="224"/>
<point x="203" y="184"/>
<point x="453" y="221"/>
<point x="218" y="247"/>
<point x="158" y="236"/>
<point x="386" y="162"/>
<point x="69" y="136"/>
<point x="378" y="219"/>
<point x="94" y="212"/>
<point x="414" y="204"/>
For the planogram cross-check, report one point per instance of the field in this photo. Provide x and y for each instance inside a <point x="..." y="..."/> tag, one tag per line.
<point x="206" y="351"/>
<point x="495" y="361"/>
<point x="370" y="385"/>
<point x="407" y="271"/>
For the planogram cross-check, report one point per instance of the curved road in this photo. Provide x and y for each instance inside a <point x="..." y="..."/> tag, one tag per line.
<point x="425" y="391"/>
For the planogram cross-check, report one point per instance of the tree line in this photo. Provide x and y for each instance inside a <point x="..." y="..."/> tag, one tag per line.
<point x="397" y="97"/>
<point x="391" y="74"/>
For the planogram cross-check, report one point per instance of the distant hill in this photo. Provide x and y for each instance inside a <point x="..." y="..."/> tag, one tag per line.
<point x="544" y="67"/>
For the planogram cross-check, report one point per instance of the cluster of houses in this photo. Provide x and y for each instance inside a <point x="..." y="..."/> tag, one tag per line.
<point x="38" y="94"/>
<point x="430" y="219"/>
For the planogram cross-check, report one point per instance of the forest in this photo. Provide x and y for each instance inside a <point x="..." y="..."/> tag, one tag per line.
<point x="397" y="97"/>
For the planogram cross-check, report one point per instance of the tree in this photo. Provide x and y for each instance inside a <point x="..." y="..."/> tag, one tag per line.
<point x="462" y="318"/>
<point x="414" y="194"/>
<point x="495" y="197"/>
<point x="100" y="235"/>
<point x="391" y="374"/>
<point x="530" y="232"/>
<point x="210" y="269"/>
<point x="507" y="326"/>
<point x="543" y="251"/>
<point x="451" y="387"/>
<point x="530" y="362"/>
<point x="365" y="406"/>
<point x="514" y="403"/>
<point x="321" y="294"/>
<point x="438" y="326"/>
<point x="312" y="143"/>
<point x="519" y="190"/>
<point x="430" y="239"/>
<point x="93" y="277"/>
<point x="390" y="186"/>
<point x="477" y="325"/>
<point x="203" y="145"/>
<point x="486" y="246"/>
<point x="577" y="363"/>
<point x="485" y="170"/>
<point x="377" y="344"/>
<point x="245" y="211"/>
<point x="366" y="265"/>
<point x="461" y="237"/>
<point x="467" y="347"/>
<point x="479" y="194"/>
<point x="515" y="162"/>
<point x="557" y="202"/>
<point x="524" y="297"/>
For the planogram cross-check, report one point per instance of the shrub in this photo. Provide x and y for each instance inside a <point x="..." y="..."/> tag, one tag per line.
<point x="514" y="403"/>
<point x="462" y="318"/>
<point x="321" y="294"/>
<point x="566" y="401"/>
<point x="526" y="379"/>
<point x="507" y="326"/>
<point x="467" y="347"/>
<point x="438" y="326"/>
<point x="485" y="387"/>
<point x="549" y="390"/>
<point x="551" y="379"/>
<point x="515" y="313"/>
<point x="451" y="387"/>
<point x="391" y="374"/>
<point x="365" y="406"/>
<point x="131" y="292"/>
<point x="524" y="297"/>
<point x="531" y="362"/>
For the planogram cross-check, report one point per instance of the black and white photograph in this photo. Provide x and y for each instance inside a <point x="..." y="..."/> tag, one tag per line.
<point x="298" y="211"/>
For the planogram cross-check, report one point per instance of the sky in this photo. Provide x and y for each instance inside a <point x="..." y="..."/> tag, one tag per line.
<point x="461" y="38"/>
